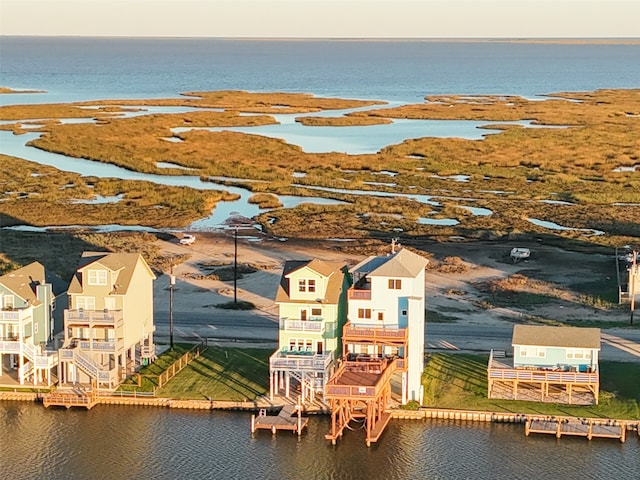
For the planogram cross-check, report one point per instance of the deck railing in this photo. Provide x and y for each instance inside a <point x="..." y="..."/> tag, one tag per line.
<point x="336" y="389"/>
<point x="355" y="294"/>
<point x="103" y="317"/>
<point x="15" y="315"/>
<point x="547" y="376"/>
<point x="370" y="333"/>
<point x="315" y="325"/>
<point x="102" y="345"/>
<point x="300" y="361"/>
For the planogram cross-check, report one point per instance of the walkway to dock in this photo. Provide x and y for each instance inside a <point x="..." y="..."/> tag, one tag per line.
<point x="290" y="418"/>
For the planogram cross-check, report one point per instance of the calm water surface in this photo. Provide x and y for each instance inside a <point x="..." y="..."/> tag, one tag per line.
<point x="144" y="442"/>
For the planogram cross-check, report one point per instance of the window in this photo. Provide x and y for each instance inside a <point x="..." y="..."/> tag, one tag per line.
<point x="97" y="277"/>
<point x="85" y="303"/>
<point x="381" y="316"/>
<point x="403" y="313"/>
<point x="306" y="285"/>
<point x="316" y="312"/>
<point x="532" y="352"/>
<point x="395" y="284"/>
<point x="579" y="354"/>
<point x="8" y="302"/>
<point x="364" y="313"/>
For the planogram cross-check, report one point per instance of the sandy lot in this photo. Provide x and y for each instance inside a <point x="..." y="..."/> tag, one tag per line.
<point x="456" y="295"/>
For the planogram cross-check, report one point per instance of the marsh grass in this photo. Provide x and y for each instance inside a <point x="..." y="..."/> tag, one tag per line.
<point x="510" y="172"/>
<point x="265" y="200"/>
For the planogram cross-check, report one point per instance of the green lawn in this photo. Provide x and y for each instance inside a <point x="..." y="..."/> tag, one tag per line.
<point x="222" y="374"/>
<point x="459" y="381"/>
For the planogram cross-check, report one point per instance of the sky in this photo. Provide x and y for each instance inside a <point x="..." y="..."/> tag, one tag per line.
<point x="324" y="18"/>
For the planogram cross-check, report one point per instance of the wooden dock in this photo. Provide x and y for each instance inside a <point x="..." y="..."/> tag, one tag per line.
<point x="290" y="418"/>
<point x="72" y="398"/>
<point x="588" y="428"/>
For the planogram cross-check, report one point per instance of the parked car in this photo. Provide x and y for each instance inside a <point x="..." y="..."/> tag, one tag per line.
<point x="187" y="239"/>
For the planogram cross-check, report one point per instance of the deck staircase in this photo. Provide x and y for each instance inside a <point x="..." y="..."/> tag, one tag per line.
<point x="85" y="363"/>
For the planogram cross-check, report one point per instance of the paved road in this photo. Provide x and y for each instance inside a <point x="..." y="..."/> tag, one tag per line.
<point x="261" y="329"/>
<point x="617" y="344"/>
<point x="219" y="326"/>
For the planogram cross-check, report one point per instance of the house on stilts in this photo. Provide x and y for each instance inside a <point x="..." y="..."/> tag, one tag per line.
<point x="382" y="343"/>
<point x="312" y="305"/>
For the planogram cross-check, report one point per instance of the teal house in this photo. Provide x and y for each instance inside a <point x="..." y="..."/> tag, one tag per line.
<point x="556" y="348"/>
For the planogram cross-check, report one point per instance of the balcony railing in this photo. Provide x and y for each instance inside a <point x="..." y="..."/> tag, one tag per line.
<point x="367" y="333"/>
<point x="314" y="325"/>
<point x="103" y="317"/>
<point x="355" y="294"/>
<point x="285" y="359"/>
<point x="15" y="315"/>
<point x="102" y="345"/>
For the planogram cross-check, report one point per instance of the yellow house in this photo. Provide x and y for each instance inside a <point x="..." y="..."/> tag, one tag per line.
<point x="312" y="307"/>
<point x="108" y="327"/>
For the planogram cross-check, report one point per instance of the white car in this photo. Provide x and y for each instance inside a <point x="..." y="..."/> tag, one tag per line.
<point x="187" y="239"/>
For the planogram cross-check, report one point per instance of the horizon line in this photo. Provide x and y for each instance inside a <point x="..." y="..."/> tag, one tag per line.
<point x="532" y="39"/>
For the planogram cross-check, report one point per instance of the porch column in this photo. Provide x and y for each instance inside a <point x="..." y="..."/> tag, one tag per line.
<point x="21" y="369"/>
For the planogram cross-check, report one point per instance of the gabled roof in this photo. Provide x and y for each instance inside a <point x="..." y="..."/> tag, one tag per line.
<point x="326" y="269"/>
<point x="22" y="282"/>
<point x="547" y="336"/>
<point x="122" y="263"/>
<point x="403" y="263"/>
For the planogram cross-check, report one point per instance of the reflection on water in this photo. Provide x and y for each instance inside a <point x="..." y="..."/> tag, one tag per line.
<point x="555" y="226"/>
<point x="112" y="442"/>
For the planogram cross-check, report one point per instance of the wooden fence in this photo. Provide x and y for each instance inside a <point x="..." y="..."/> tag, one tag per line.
<point x="172" y="370"/>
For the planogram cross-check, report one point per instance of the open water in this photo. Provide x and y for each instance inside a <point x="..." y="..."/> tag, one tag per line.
<point x="117" y="442"/>
<point x="133" y="443"/>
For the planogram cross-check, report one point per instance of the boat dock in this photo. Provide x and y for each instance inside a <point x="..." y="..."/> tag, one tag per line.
<point x="70" y="398"/>
<point x="290" y="418"/>
<point x="588" y="428"/>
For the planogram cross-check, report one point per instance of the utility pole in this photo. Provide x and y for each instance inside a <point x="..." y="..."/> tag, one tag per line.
<point x="172" y="282"/>
<point x="632" y="284"/>
<point x="235" y="267"/>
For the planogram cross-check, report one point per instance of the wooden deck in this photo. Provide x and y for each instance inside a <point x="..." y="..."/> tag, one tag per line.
<point x="509" y="383"/>
<point x="70" y="398"/>
<point x="290" y="418"/>
<point x="588" y="428"/>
